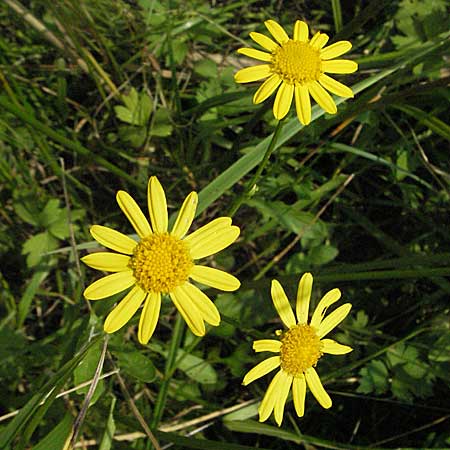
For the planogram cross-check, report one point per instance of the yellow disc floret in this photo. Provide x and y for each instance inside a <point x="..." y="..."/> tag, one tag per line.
<point x="160" y="263"/>
<point x="300" y="349"/>
<point x="297" y="62"/>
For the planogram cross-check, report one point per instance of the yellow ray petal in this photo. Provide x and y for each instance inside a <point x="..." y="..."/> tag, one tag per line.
<point x="319" y="40"/>
<point x="109" y="285"/>
<point x="215" y="278"/>
<point x="299" y="394"/>
<point x="315" y="385"/>
<point x="333" y="319"/>
<point x="322" y="97"/>
<point x="256" y="54"/>
<point x="334" y="348"/>
<point x="335" y="50"/>
<point x="113" y="239"/>
<point x="207" y="309"/>
<point x="335" y="87"/>
<point x="261" y="369"/>
<point x="284" y="388"/>
<point x="134" y="214"/>
<point x="267" y="345"/>
<point x="283" y="100"/>
<point x="268" y="402"/>
<point x="327" y="300"/>
<point x="303" y="297"/>
<point x="106" y="261"/>
<point x="188" y="311"/>
<point x="125" y="310"/>
<point x="264" y="41"/>
<point x="185" y="216"/>
<point x="301" y="32"/>
<point x="212" y="237"/>
<point x="149" y="317"/>
<point x="266" y="89"/>
<point x="282" y="305"/>
<point x="157" y="205"/>
<point x="277" y="31"/>
<point x="303" y="104"/>
<point x="253" y="73"/>
<point x="339" y="66"/>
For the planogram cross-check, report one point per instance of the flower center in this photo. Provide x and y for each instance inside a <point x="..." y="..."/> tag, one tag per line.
<point x="297" y="62"/>
<point x="300" y="349"/>
<point x="160" y="263"/>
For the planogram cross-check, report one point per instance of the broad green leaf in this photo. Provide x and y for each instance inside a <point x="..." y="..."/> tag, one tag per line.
<point x="37" y="246"/>
<point x="57" y="438"/>
<point x="136" y="364"/>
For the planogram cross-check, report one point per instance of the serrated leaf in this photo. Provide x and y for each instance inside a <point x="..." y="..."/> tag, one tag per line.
<point x="37" y="246"/>
<point x="50" y="213"/>
<point x="374" y="378"/>
<point x="25" y="213"/>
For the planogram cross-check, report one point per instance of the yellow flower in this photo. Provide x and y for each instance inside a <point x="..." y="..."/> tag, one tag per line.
<point x="297" y="66"/>
<point x="299" y="348"/>
<point x="161" y="262"/>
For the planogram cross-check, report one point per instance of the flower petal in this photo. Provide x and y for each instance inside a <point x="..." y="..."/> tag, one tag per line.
<point x="322" y="97"/>
<point x="106" y="261"/>
<point x="282" y="305"/>
<point x="113" y="239"/>
<point x="125" y="310"/>
<point x="149" y="317"/>
<point x="299" y="394"/>
<point x="268" y="402"/>
<point x="301" y="31"/>
<point x="207" y="309"/>
<point x="283" y="392"/>
<point x="327" y="300"/>
<point x="253" y="73"/>
<point x="212" y="238"/>
<point x="335" y="87"/>
<point x="334" y="348"/>
<point x="277" y="31"/>
<point x="315" y="385"/>
<point x="339" y="66"/>
<point x="157" y="206"/>
<point x="267" y="89"/>
<point x="188" y="311"/>
<point x="283" y="100"/>
<point x="110" y="285"/>
<point x="264" y="41"/>
<point x="335" y="50"/>
<point x="185" y="216"/>
<point x="303" y="104"/>
<point x="267" y="345"/>
<point x="303" y="297"/>
<point x="319" y="40"/>
<point x="134" y="214"/>
<point x="261" y="369"/>
<point x="215" y="278"/>
<point x="333" y="319"/>
<point x="256" y="54"/>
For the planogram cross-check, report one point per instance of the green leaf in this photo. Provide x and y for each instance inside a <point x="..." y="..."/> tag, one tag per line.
<point x="37" y="246"/>
<point x="57" y="438"/>
<point x="322" y="255"/>
<point x="110" y="429"/>
<point x="86" y="371"/>
<point x="135" y="364"/>
<point x="50" y="213"/>
<point x="374" y="378"/>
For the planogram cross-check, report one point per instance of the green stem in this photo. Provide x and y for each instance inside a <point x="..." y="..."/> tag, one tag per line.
<point x="250" y="185"/>
<point x="168" y="372"/>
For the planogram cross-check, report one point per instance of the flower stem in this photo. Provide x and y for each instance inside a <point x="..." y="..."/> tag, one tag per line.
<point x="168" y="372"/>
<point x="252" y="183"/>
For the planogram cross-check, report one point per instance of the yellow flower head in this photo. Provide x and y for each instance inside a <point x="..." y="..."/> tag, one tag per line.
<point x="299" y="348"/>
<point x="162" y="262"/>
<point x="297" y="66"/>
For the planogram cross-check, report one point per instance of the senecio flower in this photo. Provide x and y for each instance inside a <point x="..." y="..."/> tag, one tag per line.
<point x="299" y="348"/>
<point x="298" y="66"/>
<point x="161" y="262"/>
